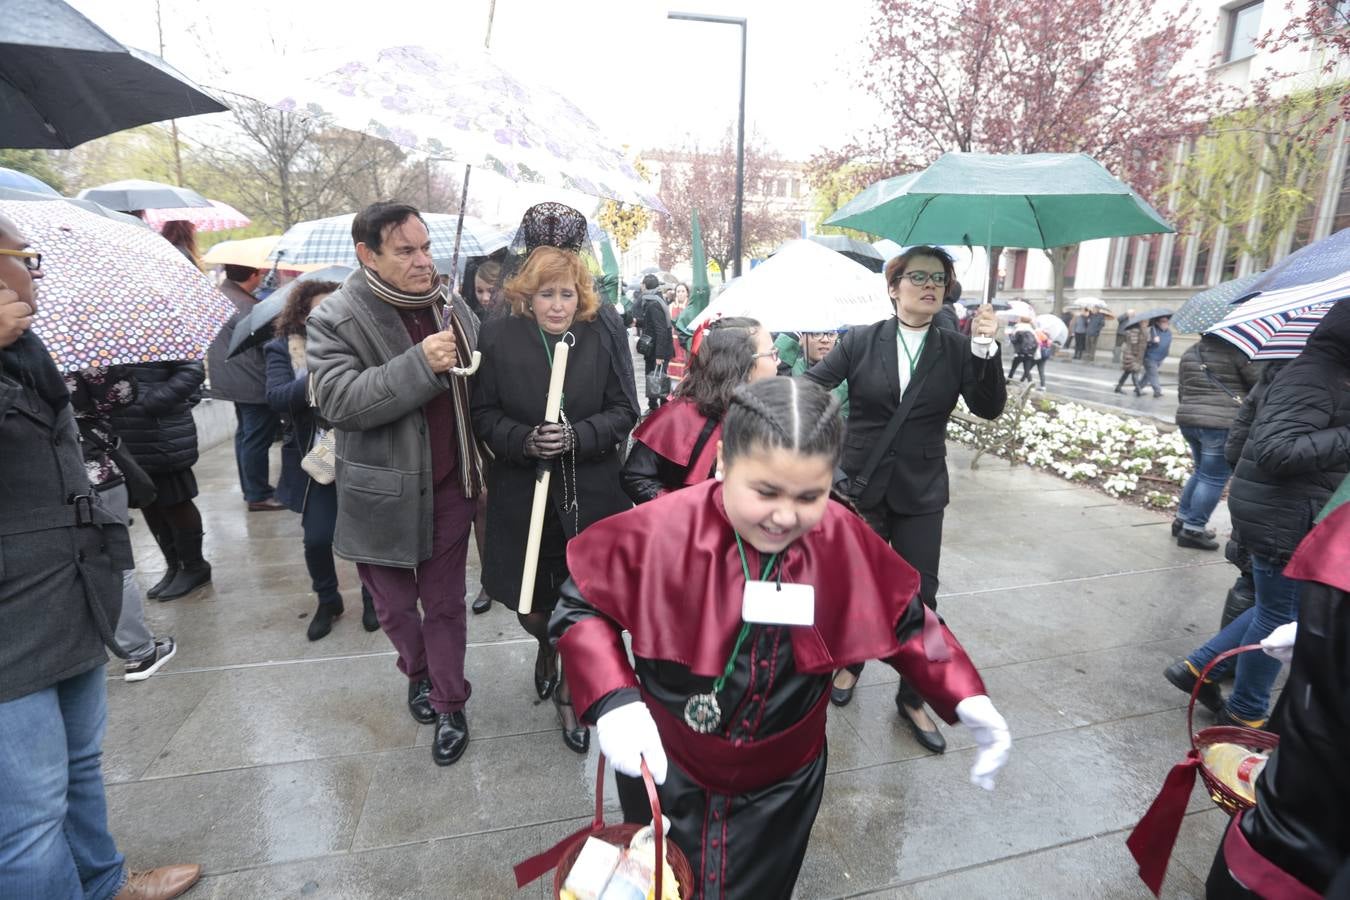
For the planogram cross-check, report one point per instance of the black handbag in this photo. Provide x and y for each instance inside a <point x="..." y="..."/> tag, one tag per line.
<point x="658" y="383"/>
<point x="645" y="345"/>
<point x="141" y="490"/>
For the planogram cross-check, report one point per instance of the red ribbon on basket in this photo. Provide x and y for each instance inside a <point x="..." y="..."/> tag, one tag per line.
<point x="1152" y="840"/>
<point x="530" y="869"/>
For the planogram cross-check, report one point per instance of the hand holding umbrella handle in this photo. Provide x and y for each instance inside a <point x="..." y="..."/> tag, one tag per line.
<point x="475" y="361"/>
<point x="552" y="407"/>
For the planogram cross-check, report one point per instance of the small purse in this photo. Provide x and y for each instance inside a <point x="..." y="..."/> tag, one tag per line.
<point x="645" y="345"/>
<point x="320" y="463"/>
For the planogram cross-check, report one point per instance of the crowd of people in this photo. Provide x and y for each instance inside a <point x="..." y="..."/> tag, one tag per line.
<point x="707" y="526"/>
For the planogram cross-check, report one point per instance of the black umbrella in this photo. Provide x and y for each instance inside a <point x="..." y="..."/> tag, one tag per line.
<point x="862" y="253"/>
<point x="256" y="327"/>
<point x="1148" y="315"/>
<point x="64" y="81"/>
<point x="136" y="193"/>
<point x="14" y="194"/>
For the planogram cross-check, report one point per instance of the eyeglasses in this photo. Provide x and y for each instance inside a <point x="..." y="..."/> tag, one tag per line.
<point x="822" y="335"/>
<point x="772" y="354"/>
<point x="919" y="279"/>
<point x="32" y="260"/>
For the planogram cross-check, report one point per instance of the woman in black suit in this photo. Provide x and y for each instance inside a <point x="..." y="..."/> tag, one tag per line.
<point x="904" y="367"/>
<point x="552" y="299"/>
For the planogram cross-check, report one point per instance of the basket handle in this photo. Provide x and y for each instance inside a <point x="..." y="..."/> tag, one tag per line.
<point x="658" y="827"/>
<point x="1199" y="682"/>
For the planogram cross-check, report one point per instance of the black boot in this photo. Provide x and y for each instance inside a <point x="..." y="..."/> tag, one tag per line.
<point x="164" y="537"/>
<point x="1239" y="600"/>
<point x="369" y="621"/>
<point x="193" y="571"/>
<point x="322" y="623"/>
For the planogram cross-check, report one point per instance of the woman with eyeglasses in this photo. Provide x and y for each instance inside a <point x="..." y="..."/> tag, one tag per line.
<point x="676" y="445"/>
<point x="816" y="345"/>
<point x="904" y="379"/>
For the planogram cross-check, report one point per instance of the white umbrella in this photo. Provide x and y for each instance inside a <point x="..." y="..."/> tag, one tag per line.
<point x="804" y="287"/>
<point x="1054" y="328"/>
<point x="1017" y="309"/>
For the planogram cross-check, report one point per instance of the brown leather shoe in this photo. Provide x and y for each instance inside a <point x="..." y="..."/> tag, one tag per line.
<point x="160" y="884"/>
<point x="271" y="504"/>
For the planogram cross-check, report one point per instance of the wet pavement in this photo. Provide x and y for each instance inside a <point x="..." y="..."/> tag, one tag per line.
<point x="292" y="769"/>
<point x="1095" y="382"/>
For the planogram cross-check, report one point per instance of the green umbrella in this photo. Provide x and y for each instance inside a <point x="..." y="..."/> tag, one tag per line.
<point x="609" y="267"/>
<point x="1207" y="308"/>
<point x="1032" y="200"/>
<point x="700" y="291"/>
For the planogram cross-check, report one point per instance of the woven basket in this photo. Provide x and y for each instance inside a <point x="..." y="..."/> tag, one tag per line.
<point x="622" y="834"/>
<point x="1225" y="797"/>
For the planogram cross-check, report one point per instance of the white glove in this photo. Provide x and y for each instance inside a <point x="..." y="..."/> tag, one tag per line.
<point x="627" y="734"/>
<point x="991" y="734"/>
<point x="1280" y="642"/>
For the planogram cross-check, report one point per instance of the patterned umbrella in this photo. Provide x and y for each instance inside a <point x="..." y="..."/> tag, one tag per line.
<point x="1207" y="308"/>
<point x="112" y="293"/>
<point x="1276" y="325"/>
<point x="1316" y="262"/>
<point x="329" y="241"/>
<point x="463" y="106"/>
<point x="216" y="217"/>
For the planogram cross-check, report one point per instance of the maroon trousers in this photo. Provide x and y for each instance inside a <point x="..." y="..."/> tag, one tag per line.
<point x="430" y="642"/>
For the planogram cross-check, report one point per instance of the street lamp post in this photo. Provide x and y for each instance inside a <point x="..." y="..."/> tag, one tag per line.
<point x="737" y="218"/>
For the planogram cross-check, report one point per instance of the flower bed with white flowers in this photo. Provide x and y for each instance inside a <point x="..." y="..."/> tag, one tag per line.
<point x="1125" y="457"/>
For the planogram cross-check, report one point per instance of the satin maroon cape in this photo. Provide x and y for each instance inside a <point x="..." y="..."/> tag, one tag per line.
<point x="673" y="430"/>
<point x="1324" y="553"/>
<point x="668" y="571"/>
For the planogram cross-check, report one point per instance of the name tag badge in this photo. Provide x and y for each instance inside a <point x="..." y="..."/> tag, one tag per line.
<point x="770" y="603"/>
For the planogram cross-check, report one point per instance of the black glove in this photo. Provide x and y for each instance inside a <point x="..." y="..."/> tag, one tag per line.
<point x="547" y="441"/>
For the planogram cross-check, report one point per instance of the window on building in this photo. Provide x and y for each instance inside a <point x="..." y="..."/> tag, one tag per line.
<point x="1131" y="261"/>
<point x="1204" y="248"/>
<point x="780" y="187"/>
<point x="1244" y="28"/>
<point x="1071" y="267"/>
<point x="1019" y="276"/>
<point x="1341" y="216"/>
<point x="1228" y="270"/>
<point x="1150" y="250"/>
<point x="1175" y="262"/>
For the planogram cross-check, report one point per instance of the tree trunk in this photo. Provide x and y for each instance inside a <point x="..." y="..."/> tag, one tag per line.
<point x="995" y="254"/>
<point x="1059" y="257"/>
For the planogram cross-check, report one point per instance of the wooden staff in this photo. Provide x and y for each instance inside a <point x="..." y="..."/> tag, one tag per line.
<point x="543" y="472"/>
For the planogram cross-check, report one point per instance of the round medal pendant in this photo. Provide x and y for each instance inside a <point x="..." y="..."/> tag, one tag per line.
<point x="702" y="713"/>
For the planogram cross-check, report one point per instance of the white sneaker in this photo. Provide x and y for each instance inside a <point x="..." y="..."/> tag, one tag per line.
<point x="143" y="668"/>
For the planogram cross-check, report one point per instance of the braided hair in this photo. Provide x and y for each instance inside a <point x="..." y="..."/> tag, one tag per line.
<point x="790" y="413"/>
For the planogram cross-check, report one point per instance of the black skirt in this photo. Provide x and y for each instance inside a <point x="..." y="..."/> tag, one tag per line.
<point x="173" y="488"/>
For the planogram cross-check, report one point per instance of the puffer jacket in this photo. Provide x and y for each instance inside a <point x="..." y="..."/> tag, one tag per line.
<point x="1132" y="356"/>
<point x="1213" y="379"/>
<point x="1298" y="449"/>
<point x="158" y="429"/>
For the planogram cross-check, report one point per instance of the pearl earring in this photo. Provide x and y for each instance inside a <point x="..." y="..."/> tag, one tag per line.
<point x="720" y="475"/>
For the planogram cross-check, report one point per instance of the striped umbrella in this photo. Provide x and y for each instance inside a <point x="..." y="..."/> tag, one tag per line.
<point x="329" y="241"/>
<point x="216" y="217"/>
<point x="1276" y="324"/>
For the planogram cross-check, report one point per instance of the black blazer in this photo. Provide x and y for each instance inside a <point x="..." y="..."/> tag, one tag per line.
<point x="912" y="475"/>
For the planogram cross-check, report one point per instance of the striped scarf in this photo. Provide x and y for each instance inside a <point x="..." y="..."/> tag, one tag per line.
<point x="470" y="455"/>
<point x="402" y="299"/>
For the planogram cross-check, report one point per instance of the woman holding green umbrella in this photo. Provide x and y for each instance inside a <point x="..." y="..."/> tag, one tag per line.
<point x="904" y="379"/>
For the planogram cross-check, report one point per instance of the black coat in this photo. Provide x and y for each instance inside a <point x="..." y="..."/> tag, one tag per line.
<point x="1213" y="378"/>
<point x="1301" y="821"/>
<point x="656" y="322"/>
<point x="241" y="378"/>
<point x="912" y="475"/>
<point x="509" y="393"/>
<point x="1298" y="449"/>
<point x="158" y="429"/>
<point x="286" y="395"/>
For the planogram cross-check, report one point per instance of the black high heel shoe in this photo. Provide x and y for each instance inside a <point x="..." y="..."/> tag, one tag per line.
<point x="576" y="736"/>
<point x="545" y="672"/>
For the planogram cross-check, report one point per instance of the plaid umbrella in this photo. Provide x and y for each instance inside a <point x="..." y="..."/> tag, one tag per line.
<point x="216" y="217"/>
<point x="1207" y="308"/>
<point x="115" y="294"/>
<point x="329" y="241"/>
<point x="1276" y="325"/>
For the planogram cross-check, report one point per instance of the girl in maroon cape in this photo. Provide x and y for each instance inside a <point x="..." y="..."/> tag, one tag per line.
<point x="677" y="445"/>
<point x="743" y="595"/>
